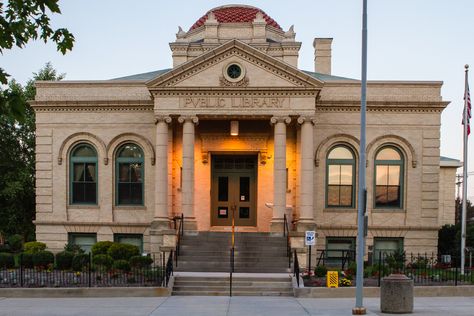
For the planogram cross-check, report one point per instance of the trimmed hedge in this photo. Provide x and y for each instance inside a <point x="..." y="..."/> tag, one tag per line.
<point x="123" y="251"/>
<point x="122" y="265"/>
<point x="27" y="260"/>
<point x="140" y="261"/>
<point x="101" y="247"/>
<point x="102" y="260"/>
<point x="64" y="260"/>
<point x="43" y="258"/>
<point x="80" y="262"/>
<point x="15" y="242"/>
<point x="34" y="247"/>
<point x="7" y="261"/>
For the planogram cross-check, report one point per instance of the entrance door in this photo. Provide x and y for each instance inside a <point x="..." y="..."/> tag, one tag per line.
<point x="233" y="190"/>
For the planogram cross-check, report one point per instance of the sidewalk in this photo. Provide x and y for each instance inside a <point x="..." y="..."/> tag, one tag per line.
<point x="209" y="306"/>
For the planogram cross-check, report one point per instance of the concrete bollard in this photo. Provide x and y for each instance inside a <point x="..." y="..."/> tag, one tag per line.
<point x="396" y="294"/>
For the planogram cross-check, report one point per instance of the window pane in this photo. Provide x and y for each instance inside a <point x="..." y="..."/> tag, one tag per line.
<point x="90" y="192"/>
<point x="78" y="192"/>
<point x="244" y="212"/>
<point x="123" y="193"/>
<point x="223" y="189"/>
<point x="84" y="151"/>
<point x="84" y="241"/>
<point x="132" y="240"/>
<point x="346" y="174"/>
<point x="222" y="212"/>
<point x="388" y="154"/>
<point x="393" y="175"/>
<point x="393" y="196"/>
<point x="333" y="195"/>
<point x="136" y="193"/>
<point x="244" y="189"/>
<point x="78" y="172"/>
<point x="382" y="174"/>
<point x="130" y="151"/>
<point x="346" y="195"/>
<point x="380" y="195"/>
<point x="340" y="152"/>
<point x="90" y="172"/>
<point x="124" y="172"/>
<point x="334" y="172"/>
<point x="136" y="172"/>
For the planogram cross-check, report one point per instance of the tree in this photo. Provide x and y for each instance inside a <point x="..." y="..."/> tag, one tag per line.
<point x="17" y="158"/>
<point x="20" y="22"/>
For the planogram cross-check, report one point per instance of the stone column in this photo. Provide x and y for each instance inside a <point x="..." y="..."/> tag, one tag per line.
<point x="279" y="172"/>
<point x="306" y="220"/>
<point x="187" y="188"/>
<point x="161" y="216"/>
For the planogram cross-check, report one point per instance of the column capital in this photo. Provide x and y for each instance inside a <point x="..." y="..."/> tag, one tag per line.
<point x="188" y="118"/>
<point x="280" y="119"/>
<point x="306" y="119"/>
<point x="162" y="118"/>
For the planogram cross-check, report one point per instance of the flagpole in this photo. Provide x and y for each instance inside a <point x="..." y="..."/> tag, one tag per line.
<point x="464" y="172"/>
<point x="359" y="309"/>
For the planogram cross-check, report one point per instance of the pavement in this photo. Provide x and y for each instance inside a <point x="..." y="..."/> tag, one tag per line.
<point x="209" y="306"/>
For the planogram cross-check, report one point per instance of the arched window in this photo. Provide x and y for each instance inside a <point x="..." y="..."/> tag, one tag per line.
<point x="83" y="175"/>
<point x="388" y="177"/>
<point x="340" y="177"/>
<point x="129" y="175"/>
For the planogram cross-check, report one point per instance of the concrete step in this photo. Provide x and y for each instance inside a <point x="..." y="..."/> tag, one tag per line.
<point x="234" y="293"/>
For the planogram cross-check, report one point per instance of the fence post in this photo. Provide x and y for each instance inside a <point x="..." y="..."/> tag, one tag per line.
<point x="456" y="275"/>
<point x="380" y="267"/>
<point x="90" y="269"/>
<point x="21" y="269"/>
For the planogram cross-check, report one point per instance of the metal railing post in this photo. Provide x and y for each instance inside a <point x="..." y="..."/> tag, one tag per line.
<point x="21" y="269"/>
<point x="90" y="269"/>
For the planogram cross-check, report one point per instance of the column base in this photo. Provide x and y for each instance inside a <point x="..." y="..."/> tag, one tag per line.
<point x="276" y="225"/>
<point x="160" y="223"/>
<point x="305" y="224"/>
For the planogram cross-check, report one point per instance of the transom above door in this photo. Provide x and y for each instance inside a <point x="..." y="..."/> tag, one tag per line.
<point x="233" y="190"/>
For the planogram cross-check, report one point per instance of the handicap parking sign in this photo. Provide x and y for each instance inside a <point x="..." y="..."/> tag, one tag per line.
<point x="310" y="238"/>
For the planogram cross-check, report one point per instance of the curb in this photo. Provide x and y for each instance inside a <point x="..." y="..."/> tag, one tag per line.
<point x="85" y="292"/>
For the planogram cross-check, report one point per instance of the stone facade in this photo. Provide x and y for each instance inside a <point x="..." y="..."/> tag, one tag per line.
<point x="289" y="120"/>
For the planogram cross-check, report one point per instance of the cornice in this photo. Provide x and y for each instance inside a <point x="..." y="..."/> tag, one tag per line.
<point x="382" y="106"/>
<point x="379" y="227"/>
<point x="92" y="106"/>
<point x="236" y="91"/>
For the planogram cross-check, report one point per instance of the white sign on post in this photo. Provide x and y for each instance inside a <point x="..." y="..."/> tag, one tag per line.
<point x="310" y="238"/>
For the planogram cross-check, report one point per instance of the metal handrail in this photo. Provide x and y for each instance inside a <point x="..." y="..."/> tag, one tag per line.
<point x="232" y="251"/>
<point x="179" y="233"/>
<point x="168" y="268"/>
<point x="286" y="233"/>
<point x="296" y="269"/>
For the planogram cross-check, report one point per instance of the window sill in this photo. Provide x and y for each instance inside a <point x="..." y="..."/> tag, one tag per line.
<point x="339" y="210"/>
<point x="388" y="210"/>
<point x="129" y="207"/>
<point x="83" y="206"/>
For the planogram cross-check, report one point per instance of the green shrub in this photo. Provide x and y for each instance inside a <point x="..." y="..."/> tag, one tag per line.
<point x="64" y="260"/>
<point x="75" y="249"/>
<point x="15" y="242"/>
<point x="6" y="261"/>
<point x="103" y="261"/>
<point x="121" y="265"/>
<point x="4" y="248"/>
<point x="351" y="269"/>
<point x="396" y="261"/>
<point x="26" y="260"/>
<point x="140" y="261"/>
<point x="101" y="247"/>
<point x="123" y="251"/>
<point x="34" y="246"/>
<point x="80" y="262"/>
<point x="320" y="271"/>
<point x="43" y="258"/>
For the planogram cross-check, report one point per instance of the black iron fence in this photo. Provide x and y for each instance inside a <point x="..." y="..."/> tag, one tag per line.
<point x="23" y="274"/>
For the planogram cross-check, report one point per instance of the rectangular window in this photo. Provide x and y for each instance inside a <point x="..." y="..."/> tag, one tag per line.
<point x="223" y="189"/>
<point x="339" y="191"/>
<point x="131" y="239"/>
<point x="83" y="240"/>
<point x="84" y="183"/>
<point x="338" y="248"/>
<point x="130" y="184"/>
<point x="386" y="246"/>
<point x="387" y="186"/>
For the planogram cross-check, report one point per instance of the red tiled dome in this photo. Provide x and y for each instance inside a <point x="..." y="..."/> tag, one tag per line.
<point x="235" y="14"/>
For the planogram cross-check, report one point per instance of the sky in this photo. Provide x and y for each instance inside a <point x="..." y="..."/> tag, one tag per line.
<point x="407" y="40"/>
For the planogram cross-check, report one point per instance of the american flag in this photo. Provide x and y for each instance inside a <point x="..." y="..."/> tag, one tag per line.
<point x="467" y="105"/>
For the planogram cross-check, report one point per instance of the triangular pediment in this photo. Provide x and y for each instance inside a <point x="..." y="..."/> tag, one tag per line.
<point x="259" y="71"/>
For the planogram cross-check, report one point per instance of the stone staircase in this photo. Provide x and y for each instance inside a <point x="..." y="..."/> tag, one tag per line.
<point x="241" y="285"/>
<point x="254" y="253"/>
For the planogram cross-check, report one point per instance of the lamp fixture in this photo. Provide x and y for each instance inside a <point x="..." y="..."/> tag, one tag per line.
<point x="234" y="128"/>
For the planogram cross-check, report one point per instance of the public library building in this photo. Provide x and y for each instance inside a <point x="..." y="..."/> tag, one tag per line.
<point x="236" y="132"/>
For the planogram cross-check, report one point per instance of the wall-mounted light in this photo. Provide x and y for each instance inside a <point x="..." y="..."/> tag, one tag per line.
<point x="234" y="128"/>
